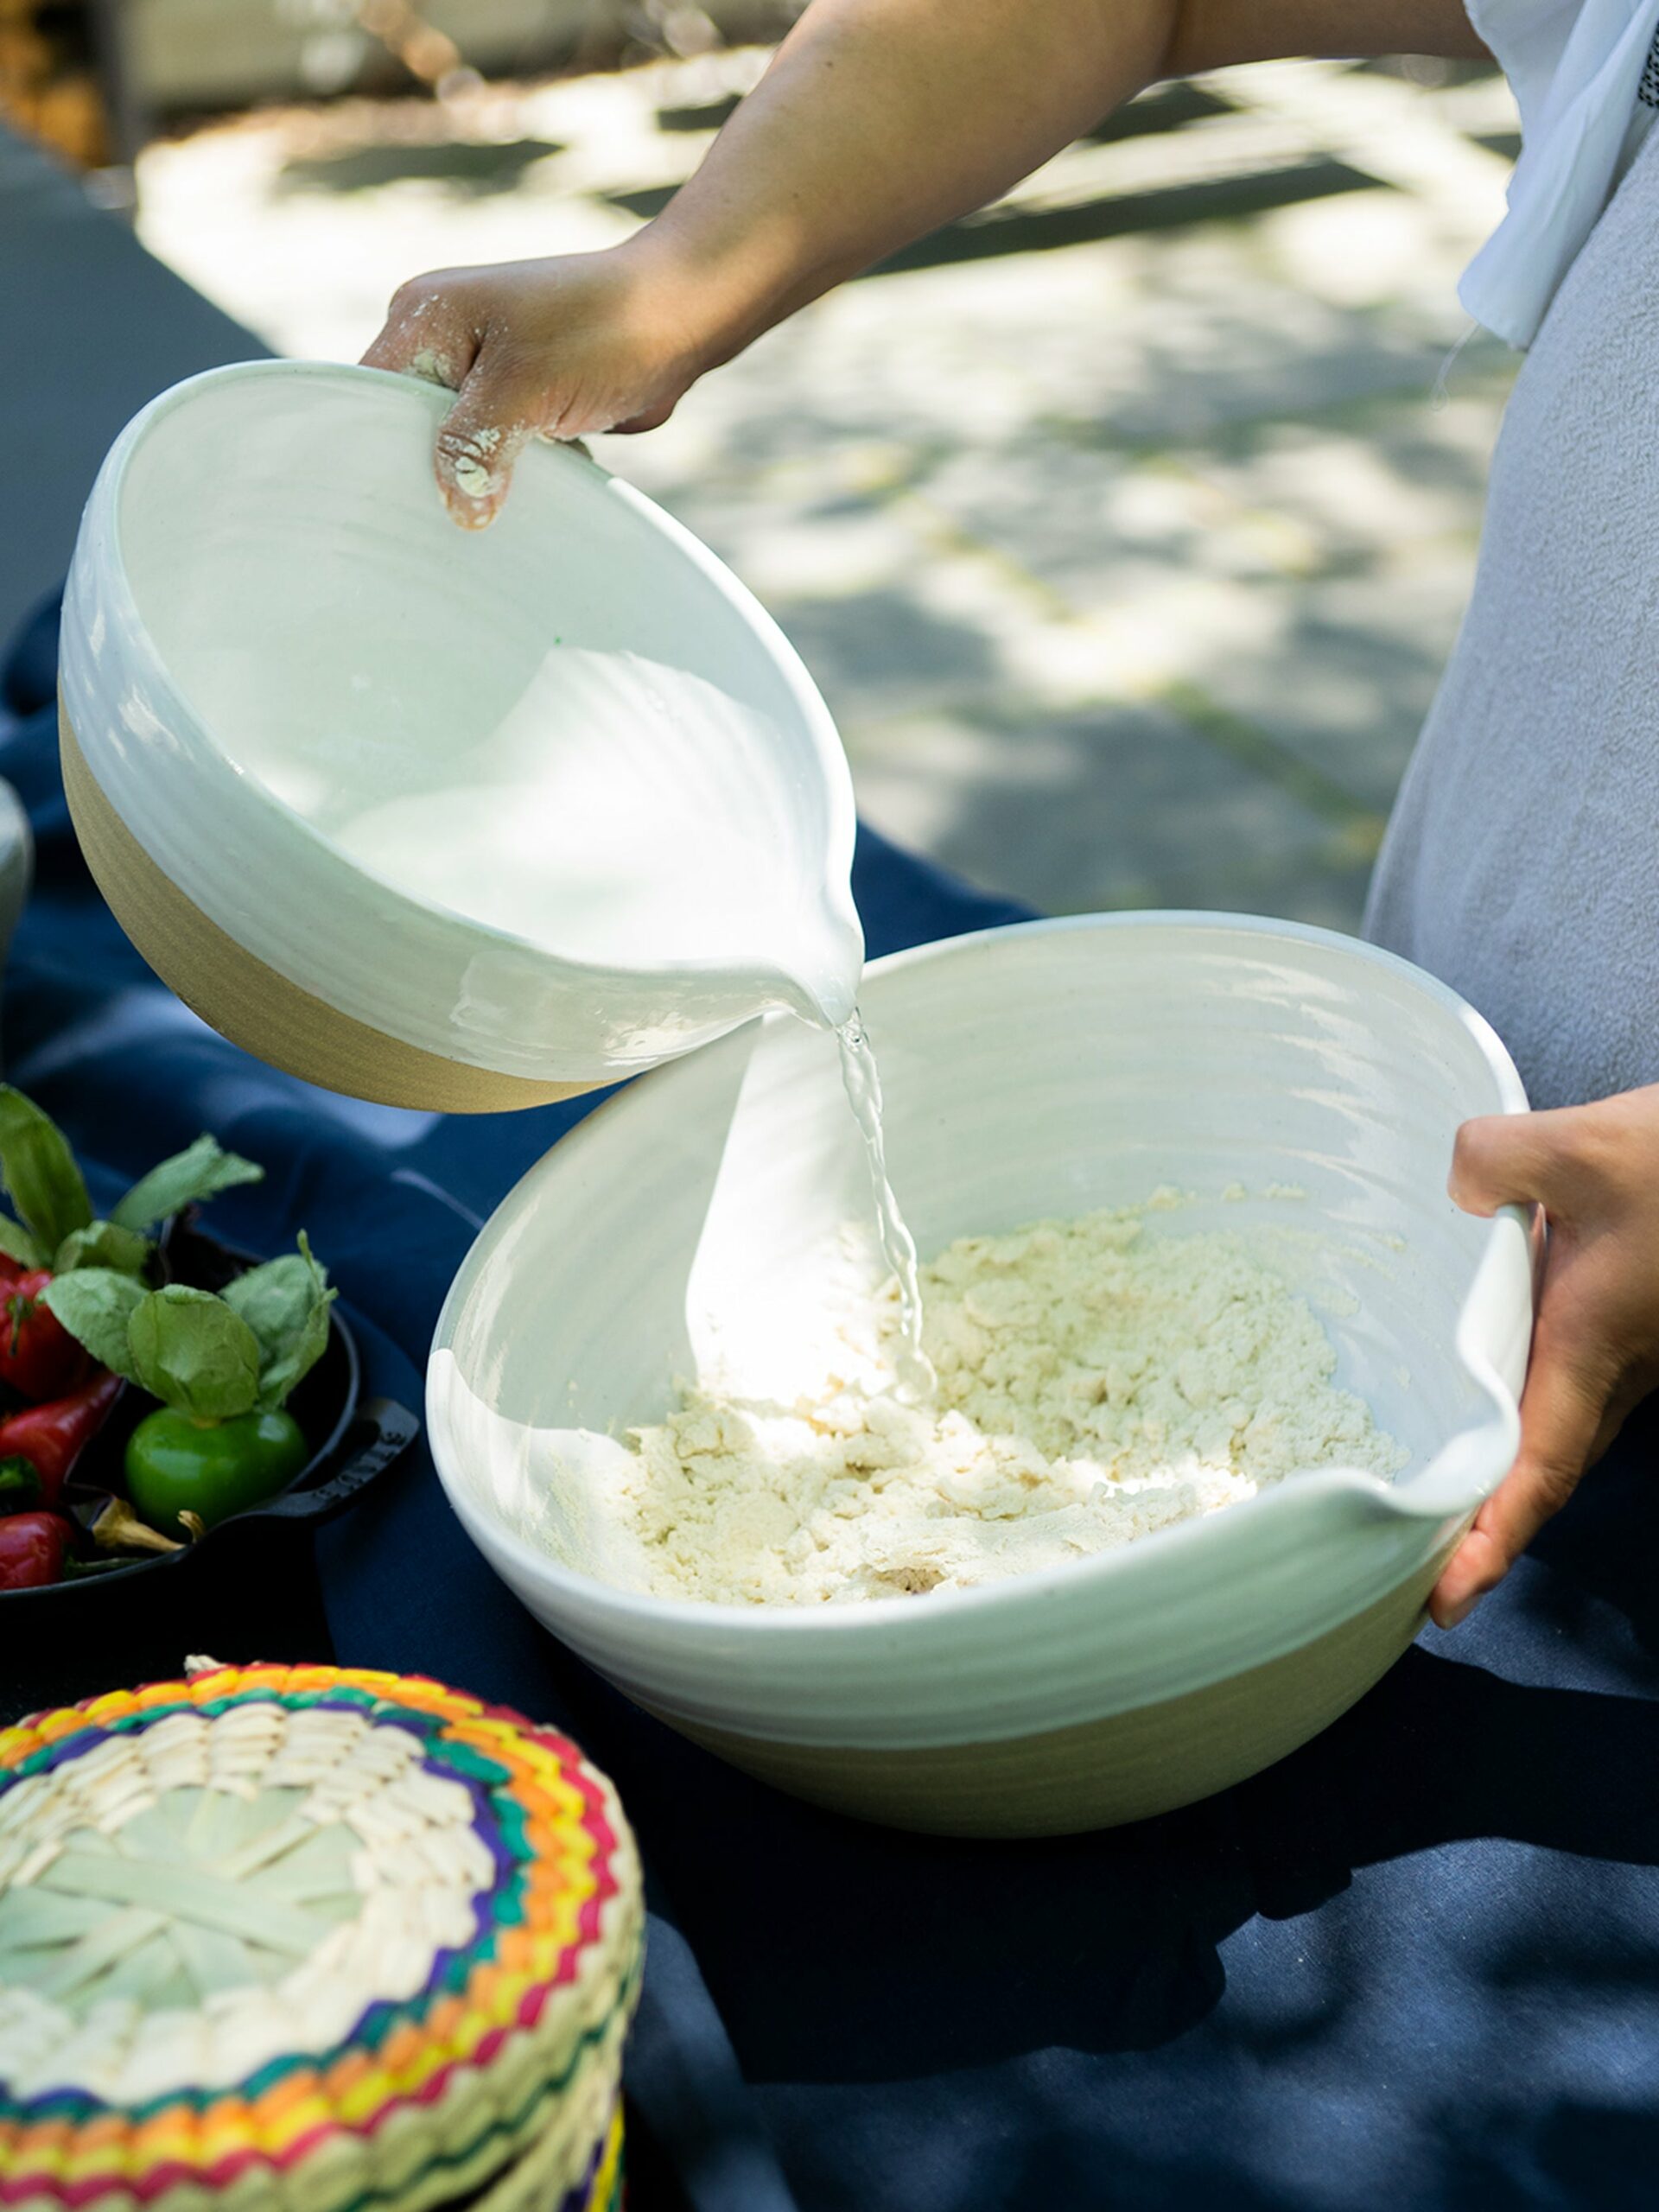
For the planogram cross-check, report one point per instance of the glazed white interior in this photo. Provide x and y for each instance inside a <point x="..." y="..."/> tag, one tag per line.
<point x="555" y="798"/>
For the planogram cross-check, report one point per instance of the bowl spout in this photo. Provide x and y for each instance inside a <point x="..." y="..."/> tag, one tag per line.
<point x="819" y="966"/>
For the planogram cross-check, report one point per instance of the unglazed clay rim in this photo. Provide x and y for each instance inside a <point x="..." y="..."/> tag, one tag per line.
<point x="141" y="799"/>
<point x="229" y="988"/>
<point x="1439" y="1503"/>
<point x="1073" y="1778"/>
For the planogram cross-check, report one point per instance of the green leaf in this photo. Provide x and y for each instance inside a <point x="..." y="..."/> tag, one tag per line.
<point x="285" y="1303"/>
<point x="20" y="1485"/>
<point x="96" y="1304"/>
<point x="192" y="1352"/>
<point x="201" y="1171"/>
<point x="40" y="1171"/>
<point x="17" y="1244"/>
<point x="102" y="1245"/>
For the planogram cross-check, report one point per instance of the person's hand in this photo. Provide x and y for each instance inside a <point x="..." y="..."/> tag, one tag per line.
<point x="874" y="125"/>
<point x="554" y="349"/>
<point x="1595" y="1345"/>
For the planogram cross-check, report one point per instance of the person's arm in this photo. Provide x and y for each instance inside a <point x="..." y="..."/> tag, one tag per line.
<point x="877" y="121"/>
<point x="1221" y="33"/>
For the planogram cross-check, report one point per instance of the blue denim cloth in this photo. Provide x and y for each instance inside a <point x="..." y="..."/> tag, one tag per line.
<point x="1415" y="1965"/>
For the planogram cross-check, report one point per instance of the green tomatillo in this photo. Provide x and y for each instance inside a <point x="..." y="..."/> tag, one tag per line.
<point x="176" y="1466"/>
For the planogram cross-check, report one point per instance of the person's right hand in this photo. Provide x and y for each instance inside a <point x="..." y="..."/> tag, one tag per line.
<point x="555" y="349"/>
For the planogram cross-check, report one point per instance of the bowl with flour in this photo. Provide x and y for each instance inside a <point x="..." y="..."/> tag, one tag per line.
<point x="1219" y="1373"/>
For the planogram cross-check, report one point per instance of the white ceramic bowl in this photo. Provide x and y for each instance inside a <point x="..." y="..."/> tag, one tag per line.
<point x="1031" y="1071"/>
<point x="272" y="630"/>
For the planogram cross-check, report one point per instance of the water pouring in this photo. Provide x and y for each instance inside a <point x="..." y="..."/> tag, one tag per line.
<point x="444" y="823"/>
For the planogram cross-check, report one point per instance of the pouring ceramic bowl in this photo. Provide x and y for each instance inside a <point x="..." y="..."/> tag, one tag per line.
<point x="273" y="633"/>
<point x="1034" y="1071"/>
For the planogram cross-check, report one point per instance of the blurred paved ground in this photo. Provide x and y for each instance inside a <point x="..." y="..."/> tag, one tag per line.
<point x="1123" y="527"/>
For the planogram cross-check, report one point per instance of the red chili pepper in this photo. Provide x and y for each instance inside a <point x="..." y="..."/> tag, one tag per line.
<point x="38" y="1356"/>
<point x="46" y="1441"/>
<point x="32" y="1549"/>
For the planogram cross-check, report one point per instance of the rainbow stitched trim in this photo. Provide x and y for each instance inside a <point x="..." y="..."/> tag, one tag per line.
<point x="601" y="2191"/>
<point x="559" y="1856"/>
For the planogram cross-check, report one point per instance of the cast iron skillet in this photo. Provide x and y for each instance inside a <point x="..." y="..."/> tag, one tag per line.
<point x="355" y="1439"/>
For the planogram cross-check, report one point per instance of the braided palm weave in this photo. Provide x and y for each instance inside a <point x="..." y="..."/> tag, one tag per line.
<point x="309" y="1939"/>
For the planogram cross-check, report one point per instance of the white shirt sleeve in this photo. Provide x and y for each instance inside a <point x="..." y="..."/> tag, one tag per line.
<point x="1576" y="67"/>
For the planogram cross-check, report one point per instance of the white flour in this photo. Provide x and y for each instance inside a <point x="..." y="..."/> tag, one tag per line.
<point x="1096" y="1383"/>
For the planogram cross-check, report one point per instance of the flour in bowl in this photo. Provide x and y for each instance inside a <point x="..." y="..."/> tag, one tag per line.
<point x="1095" y="1383"/>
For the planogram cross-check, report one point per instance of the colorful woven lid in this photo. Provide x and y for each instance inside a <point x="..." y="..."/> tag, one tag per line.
<point x="309" y="1939"/>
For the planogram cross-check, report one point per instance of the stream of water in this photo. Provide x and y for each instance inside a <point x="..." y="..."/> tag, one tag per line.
<point x="863" y="1085"/>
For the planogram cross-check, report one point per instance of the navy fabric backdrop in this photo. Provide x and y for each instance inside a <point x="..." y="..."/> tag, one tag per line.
<point x="1415" y="1964"/>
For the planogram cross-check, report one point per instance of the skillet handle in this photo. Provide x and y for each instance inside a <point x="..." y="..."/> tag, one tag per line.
<point x="382" y="1432"/>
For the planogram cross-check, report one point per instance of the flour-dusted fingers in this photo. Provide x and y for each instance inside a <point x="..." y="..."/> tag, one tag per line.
<point x="478" y="443"/>
<point x="550" y="349"/>
<point x="439" y="328"/>
<point x="428" y="333"/>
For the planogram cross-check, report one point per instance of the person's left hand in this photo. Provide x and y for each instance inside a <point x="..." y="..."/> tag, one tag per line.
<point x="1595" y="1343"/>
